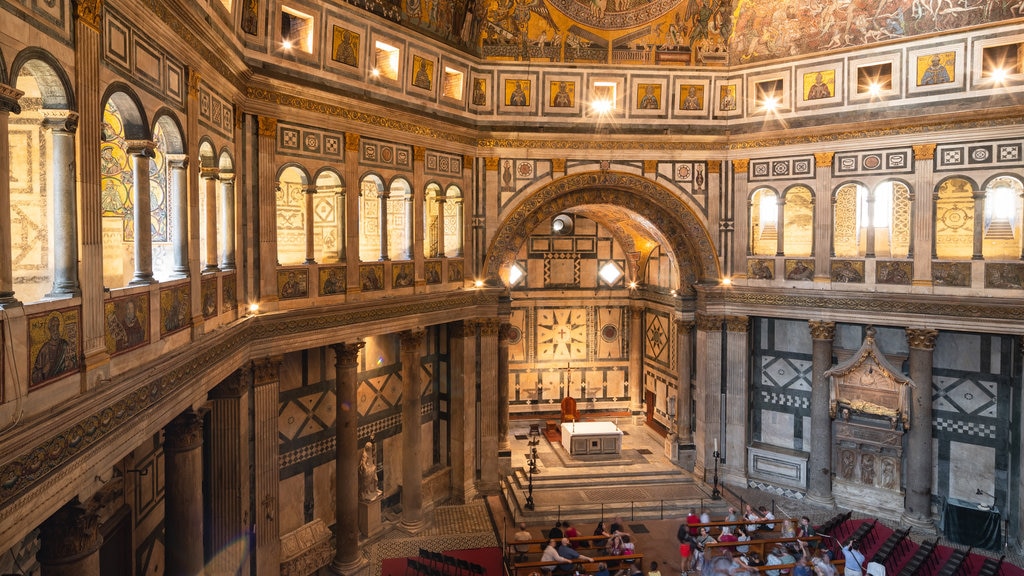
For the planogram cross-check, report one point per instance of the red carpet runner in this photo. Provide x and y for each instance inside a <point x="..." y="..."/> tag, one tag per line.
<point x="489" y="558"/>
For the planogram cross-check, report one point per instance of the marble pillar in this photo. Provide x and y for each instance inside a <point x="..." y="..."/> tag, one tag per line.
<point x="347" y="559"/>
<point x="209" y="176"/>
<point x="266" y="203"/>
<point x="439" y="250"/>
<point x="708" y="391"/>
<point x="734" y="435"/>
<point x="463" y="424"/>
<point x="636" y="357"/>
<point x="178" y="184"/>
<point x="917" y="508"/>
<point x="819" y="463"/>
<point x="504" y="330"/>
<point x="142" y="216"/>
<point x="684" y="393"/>
<point x="412" y="342"/>
<point x="308" y="196"/>
<point x="735" y="254"/>
<point x="823" y="212"/>
<point x="64" y="179"/>
<point x="183" y="495"/>
<point x="382" y="200"/>
<point x="69" y="542"/>
<point x="8" y="103"/>
<point x="227" y="220"/>
<point x="266" y="469"/>
<point x="489" y="477"/>
<point x="229" y="474"/>
<point x="923" y="202"/>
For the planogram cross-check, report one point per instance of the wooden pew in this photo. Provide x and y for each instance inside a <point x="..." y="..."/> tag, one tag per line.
<point x="537" y="545"/>
<point x="613" y="562"/>
<point x="759" y="545"/>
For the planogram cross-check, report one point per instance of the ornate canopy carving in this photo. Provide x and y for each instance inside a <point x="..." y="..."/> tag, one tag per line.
<point x="868" y="383"/>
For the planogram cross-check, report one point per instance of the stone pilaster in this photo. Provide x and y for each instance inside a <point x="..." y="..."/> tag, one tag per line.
<point x="684" y="395"/>
<point x="462" y="336"/>
<point x="352" y="172"/>
<point x="735" y="208"/>
<point x="183" y="495"/>
<point x="489" y="405"/>
<point x="733" y="442"/>
<point x="8" y="103"/>
<point x="141" y="151"/>
<point x="267" y="206"/>
<point x="708" y="391"/>
<point x="229" y="473"/>
<point x="266" y="472"/>
<point x="823" y="212"/>
<point x="819" y="463"/>
<point x="504" y="330"/>
<point x="69" y="542"/>
<point x="62" y="126"/>
<point x="917" y="508"/>
<point x="347" y="559"/>
<point x="412" y="401"/>
<point x="636" y="357"/>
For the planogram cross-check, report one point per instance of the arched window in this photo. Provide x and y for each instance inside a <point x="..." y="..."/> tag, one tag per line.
<point x="845" y="233"/>
<point x="954" y="220"/>
<point x="169" y="197"/>
<point x="399" y="220"/>
<point x="453" y="222"/>
<point x="798" y="228"/>
<point x="1002" y="233"/>
<point x="291" y="216"/>
<point x="329" y="217"/>
<point x="370" y="190"/>
<point x="433" y="207"/>
<point x="872" y="222"/>
<point x="764" y="221"/>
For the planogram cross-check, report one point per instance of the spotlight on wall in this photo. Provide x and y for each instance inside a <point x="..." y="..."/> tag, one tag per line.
<point x="562" y="224"/>
<point x="254" y="309"/>
<point x="478" y="284"/>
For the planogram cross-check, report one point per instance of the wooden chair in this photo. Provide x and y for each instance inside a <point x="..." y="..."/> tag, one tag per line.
<point x="569" y="411"/>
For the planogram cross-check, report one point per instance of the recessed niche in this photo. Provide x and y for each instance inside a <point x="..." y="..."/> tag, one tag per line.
<point x="1002" y="60"/>
<point x="875" y="78"/>
<point x="296" y="30"/>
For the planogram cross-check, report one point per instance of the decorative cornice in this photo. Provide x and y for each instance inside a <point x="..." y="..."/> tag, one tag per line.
<point x="922" y="338"/>
<point x="598" y="144"/>
<point x="924" y="151"/>
<point x="823" y="159"/>
<point x="822" y="329"/>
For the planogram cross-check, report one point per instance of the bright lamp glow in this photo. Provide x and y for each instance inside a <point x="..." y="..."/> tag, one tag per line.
<point x="770" y="103"/>
<point x="999" y="75"/>
<point x="287" y="44"/>
<point x="601" y="106"/>
<point x="479" y="284"/>
<point x="874" y="89"/>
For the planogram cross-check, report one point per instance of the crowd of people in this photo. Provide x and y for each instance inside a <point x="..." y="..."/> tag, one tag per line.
<point x="613" y="541"/>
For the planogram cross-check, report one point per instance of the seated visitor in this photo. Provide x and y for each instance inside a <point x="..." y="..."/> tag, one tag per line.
<point x="602" y="570"/>
<point x="742" y="536"/>
<point x="600" y="531"/>
<point x="569" y="531"/>
<point x="788" y="529"/>
<point x="567" y="552"/>
<point x="556" y="532"/>
<point x="654" y="570"/>
<point x="522" y="536"/>
<point x="551" y="555"/>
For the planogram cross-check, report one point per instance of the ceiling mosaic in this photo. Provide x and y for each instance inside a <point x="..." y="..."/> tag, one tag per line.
<point x="687" y="32"/>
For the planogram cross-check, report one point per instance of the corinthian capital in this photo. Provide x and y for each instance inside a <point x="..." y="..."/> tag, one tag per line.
<point x="922" y="338"/>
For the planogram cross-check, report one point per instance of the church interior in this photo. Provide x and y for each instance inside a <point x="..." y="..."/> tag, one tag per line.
<point x="279" y="275"/>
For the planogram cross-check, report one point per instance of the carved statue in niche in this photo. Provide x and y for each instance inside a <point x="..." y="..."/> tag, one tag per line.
<point x="867" y="469"/>
<point x="888" y="474"/>
<point x="368" y="473"/>
<point x="847" y="460"/>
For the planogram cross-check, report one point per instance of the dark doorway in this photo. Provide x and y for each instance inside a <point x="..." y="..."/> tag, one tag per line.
<point x="116" y="550"/>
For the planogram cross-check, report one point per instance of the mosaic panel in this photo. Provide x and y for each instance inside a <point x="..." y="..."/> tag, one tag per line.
<point x="895" y="161"/>
<point x="208" y="297"/>
<point x="442" y="164"/>
<point x="386" y="154"/>
<point x="293" y="283"/>
<point x="951" y="274"/>
<point x="175" y="309"/>
<point x="332" y="280"/>
<point x="229" y="292"/>
<point x="54" y="345"/>
<point x="1001" y="153"/>
<point x="771" y="169"/>
<point x="127" y="323"/>
<point x="309" y="142"/>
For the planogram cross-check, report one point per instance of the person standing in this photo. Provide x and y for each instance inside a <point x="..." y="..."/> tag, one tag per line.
<point x="854" y="565"/>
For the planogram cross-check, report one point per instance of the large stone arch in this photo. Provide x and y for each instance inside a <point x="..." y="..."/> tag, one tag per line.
<point x="687" y="237"/>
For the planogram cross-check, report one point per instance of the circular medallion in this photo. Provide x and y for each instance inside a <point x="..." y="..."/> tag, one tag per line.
<point x="514" y="335"/>
<point x="872" y="162"/>
<point x="609" y="332"/>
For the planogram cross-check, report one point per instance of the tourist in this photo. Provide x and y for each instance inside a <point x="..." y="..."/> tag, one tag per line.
<point x="569" y="531"/>
<point x="691" y="522"/>
<point x="752" y="517"/>
<point x="788" y="529"/>
<point x="705" y="517"/>
<point x="522" y="536"/>
<point x="551" y="555"/>
<point x="602" y="570"/>
<point x="600" y="531"/>
<point x="570" y="555"/>
<point x="854" y="559"/>
<point x="731" y="517"/>
<point x="776" y="557"/>
<point x="766" y="515"/>
<point x="686" y="549"/>
<point x="742" y="536"/>
<point x="703" y="539"/>
<point x="556" y="532"/>
<point x="654" y="570"/>
<point x="805" y="529"/>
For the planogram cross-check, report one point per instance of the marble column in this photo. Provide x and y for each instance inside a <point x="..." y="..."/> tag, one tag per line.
<point x="503" y="335"/>
<point x="347" y="559"/>
<point x="227" y="220"/>
<point x="439" y="228"/>
<point x="69" y="542"/>
<point x="8" y="103"/>
<point x="917" y="507"/>
<point x="636" y="357"/>
<point x="339" y="206"/>
<point x="209" y="176"/>
<point x="819" y="463"/>
<point x="183" y="495"/>
<point x="869" y="217"/>
<point x="412" y="342"/>
<point x="684" y="394"/>
<point x="229" y="474"/>
<point x="142" y="216"/>
<point x="734" y="434"/>
<point x="460" y="228"/>
<point x="462" y="423"/>
<point x="708" y="391"/>
<point x="308" y="196"/>
<point x="488" y="353"/>
<point x="823" y="214"/>
<point x="382" y="200"/>
<point x="266" y="470"/>
<point x="64" y="178"/>
<point x="178" y="177"/>
<point x="979" y="227"/>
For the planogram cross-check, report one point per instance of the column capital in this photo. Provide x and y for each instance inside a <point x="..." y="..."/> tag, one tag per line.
<point x="505" y="332"/>
<point x="419" y="153"/>
<point x="922" y="338"/>
<point x="267" y="127"/>
<point x="714" y="166"/>
<point x="684" y="325"/>
<point x="9" y="99"/>
<point x="228" y="177"/>
<point x="88" y="12"/>
<point x="709" y="323"/>
<point x="492" y="164"/>
<point x="234" y="385"/>
<point x="60" y="120"/>
<point x="194" y="80"/>
<point x="184" y="433"/>
<point x="209" y="173"/>
<point x="346" y="355"/>
<point x="140" y="148"/>
<point x="177" y="161"/>
<point x="822" y="329"/>
<point x="462" y="329"/>
<point x="488" y="326"/>
<point x="412" y="338"/>
<point x="70" y="534"/>
<point x="266" y="370"/>
<point x="823" y="159"/>
<point x="650" y="166"/>
<point x="924" y="151"/>
<point x="558" y="165"/>
<point x="740" y="165"/>
<point x="351" y="142"/>
<point x="737" y="323"/>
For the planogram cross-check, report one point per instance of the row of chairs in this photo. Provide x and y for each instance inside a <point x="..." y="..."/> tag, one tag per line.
<point x="448" y="565"/>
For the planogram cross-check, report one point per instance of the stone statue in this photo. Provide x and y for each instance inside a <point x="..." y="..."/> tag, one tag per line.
<point x="368" y="473"/>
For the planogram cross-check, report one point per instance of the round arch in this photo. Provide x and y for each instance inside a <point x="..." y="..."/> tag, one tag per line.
<point x="687" y="236"/>
<point x="54" y="84"/>
<point x="170" y="128"/>
<point x="132" y="112"/>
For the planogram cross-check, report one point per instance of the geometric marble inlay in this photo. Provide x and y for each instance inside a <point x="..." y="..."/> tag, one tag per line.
<point x="966" y="396"/>
<point x="786" y="373"/>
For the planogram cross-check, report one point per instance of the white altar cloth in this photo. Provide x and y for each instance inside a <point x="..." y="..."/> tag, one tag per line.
<point x="591" y="438"/>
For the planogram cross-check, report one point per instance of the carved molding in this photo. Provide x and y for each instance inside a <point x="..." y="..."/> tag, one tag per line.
<point x="922" y="338"/>
<point x="709" y="323"/>
<point x="184" y="433"/>
<point x="822" y="330"/>
<point x="823" y="159"/>
<point x="70" y="534"/>
<point x="924" y="151"/>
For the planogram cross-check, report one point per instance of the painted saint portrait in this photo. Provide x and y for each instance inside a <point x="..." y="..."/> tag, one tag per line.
<point x="818" y="85"/>
<point x="127" y="323"/>
<point x="432" y="271"/>
<point x="563" y="94"/>
<point x="480" y="92"/>
<point x="175" y="309"/>
<point x="208" y="298"/>
<point x="332" y="280"/>
<point x="54" y="345"/>
<point x="292" y="284"/>
<point x="517" y="93"/>
<point x="691" y="97"/>
<point x="229" y="292"/>
<point x="649" y="96"/>
<point x="422" y="72"/>
<point x="935" y="69"/>
<point x="401" y="276"/>
<point x="727" y="98"/>
<point x="371" y="277"/>
<point x="345" y="47"/>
